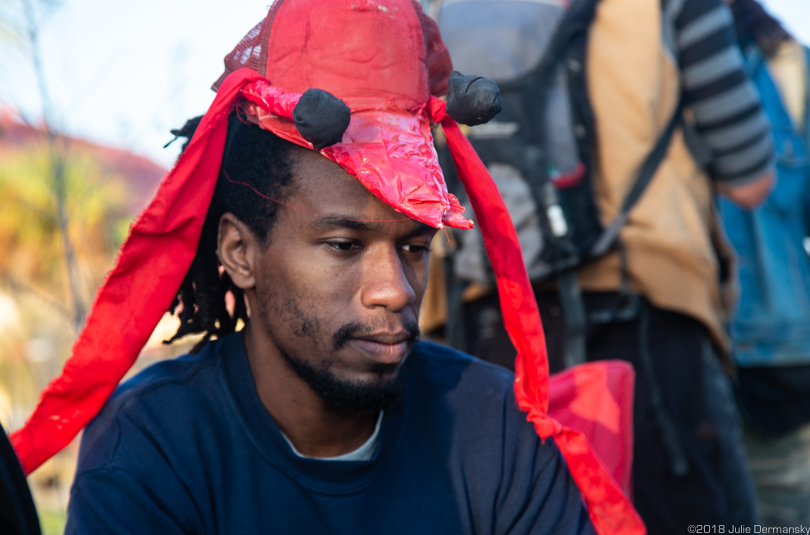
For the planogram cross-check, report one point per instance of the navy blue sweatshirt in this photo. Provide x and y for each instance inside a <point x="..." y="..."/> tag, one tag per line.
<point x="187" y="447"/>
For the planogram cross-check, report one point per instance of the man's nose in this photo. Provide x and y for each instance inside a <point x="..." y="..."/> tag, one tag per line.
<point x="386" y="283"/>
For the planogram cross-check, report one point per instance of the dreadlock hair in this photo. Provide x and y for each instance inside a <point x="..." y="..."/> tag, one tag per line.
<point x="753" y="24"/>
<point x="262" y="160"/>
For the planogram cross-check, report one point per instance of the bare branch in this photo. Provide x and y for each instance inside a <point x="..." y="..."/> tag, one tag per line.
<point x="57" y="168"/>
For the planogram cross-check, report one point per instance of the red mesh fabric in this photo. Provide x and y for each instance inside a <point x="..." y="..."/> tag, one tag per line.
<point x="250" y="52"/>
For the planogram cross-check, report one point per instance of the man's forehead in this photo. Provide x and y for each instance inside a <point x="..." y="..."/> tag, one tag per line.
<point x="337" y="199"/>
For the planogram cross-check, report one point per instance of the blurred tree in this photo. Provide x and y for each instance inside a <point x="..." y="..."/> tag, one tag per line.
<point x="96" y="215"/>
<point x="65" y="208"/>
<point x="35" y="12"/>
<point x="103" y="190"/>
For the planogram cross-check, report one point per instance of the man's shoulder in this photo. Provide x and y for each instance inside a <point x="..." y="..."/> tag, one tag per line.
<point x="442" y="371"/>
<point x="165" y="377"/>
<point x="154" y="400"/>
<point x="468" y="407"/>
<point x="440" y="358"/>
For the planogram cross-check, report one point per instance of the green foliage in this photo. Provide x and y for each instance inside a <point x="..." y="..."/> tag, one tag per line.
<point x="95" y="210"/>
<point x="52" y="522"/>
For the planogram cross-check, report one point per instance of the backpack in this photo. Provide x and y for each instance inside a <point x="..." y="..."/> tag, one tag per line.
<point x="539" y="149"/>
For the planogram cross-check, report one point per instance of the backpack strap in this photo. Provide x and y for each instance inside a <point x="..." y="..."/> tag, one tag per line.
<point x="753" y="59"/>
<point x="645" y="175"/>
<point x="571" y="34"/>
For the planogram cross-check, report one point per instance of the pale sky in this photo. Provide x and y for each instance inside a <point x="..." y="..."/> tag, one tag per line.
<point x="125" y="73"/>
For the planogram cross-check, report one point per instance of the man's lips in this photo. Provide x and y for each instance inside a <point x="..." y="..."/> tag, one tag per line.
<point x="386" y="338"/>
<point x="384" y="348"/>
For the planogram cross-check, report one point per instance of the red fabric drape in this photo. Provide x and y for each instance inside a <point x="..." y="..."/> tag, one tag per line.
<point x="138" y="291"/>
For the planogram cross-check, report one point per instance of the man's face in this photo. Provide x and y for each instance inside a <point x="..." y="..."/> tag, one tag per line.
<point x="339" y="286"/>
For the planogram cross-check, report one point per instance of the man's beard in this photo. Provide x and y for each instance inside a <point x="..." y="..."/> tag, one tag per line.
<point x="352" y="395"/>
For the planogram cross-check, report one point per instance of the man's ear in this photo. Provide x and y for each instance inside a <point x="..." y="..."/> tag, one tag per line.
<point x="237" y="247"/>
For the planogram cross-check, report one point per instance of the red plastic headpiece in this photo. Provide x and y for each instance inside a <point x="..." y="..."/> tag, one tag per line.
<point x="337" y="47"/>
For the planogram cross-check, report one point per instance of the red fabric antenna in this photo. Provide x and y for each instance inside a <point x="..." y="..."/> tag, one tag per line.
<point x="272" y="99"/>
<point x="610" y="510"/>
<point x="138" y="291"/>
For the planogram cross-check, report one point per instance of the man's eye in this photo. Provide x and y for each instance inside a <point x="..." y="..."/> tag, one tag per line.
<point x="416" y="248"/>
<point x="344" y="246"/>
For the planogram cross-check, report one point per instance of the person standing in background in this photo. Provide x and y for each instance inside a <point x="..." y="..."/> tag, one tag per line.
<point x="771" y="327"/>
<point x="655" y="298"/>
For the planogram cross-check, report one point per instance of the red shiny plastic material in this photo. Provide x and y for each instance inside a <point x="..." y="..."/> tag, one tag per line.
<point x="138" y="291"/>
<point x="390" y="151"/>
<point x="383" y="58"/>
<point x="392" y="154"/>
<point x="272" y="100"/>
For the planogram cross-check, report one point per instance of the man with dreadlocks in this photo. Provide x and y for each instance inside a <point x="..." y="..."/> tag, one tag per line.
<point x="333" y="278"/>
<point x="310" y="191"/>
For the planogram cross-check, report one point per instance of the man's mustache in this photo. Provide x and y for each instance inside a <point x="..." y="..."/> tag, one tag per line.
<point x="358" y="330"/>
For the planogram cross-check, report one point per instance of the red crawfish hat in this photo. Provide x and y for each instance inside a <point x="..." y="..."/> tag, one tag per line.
<point x="358" y="81"/>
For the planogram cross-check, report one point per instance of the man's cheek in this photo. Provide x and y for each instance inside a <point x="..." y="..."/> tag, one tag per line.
<point x="419" y="283"/>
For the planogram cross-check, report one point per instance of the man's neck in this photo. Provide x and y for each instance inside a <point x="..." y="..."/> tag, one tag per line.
<point x="314" y="428"/>
<point x="363" y="453"/>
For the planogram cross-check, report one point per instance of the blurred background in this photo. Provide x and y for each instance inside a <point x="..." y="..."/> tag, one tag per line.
<point x="89" y="90"/>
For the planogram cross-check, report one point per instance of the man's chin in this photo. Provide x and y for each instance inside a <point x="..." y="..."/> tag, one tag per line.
<point x="383" y="388"/>
<point x="358" y="396"/>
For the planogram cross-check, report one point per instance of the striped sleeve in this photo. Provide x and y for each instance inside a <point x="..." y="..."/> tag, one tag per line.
<point x="724" y="101"/>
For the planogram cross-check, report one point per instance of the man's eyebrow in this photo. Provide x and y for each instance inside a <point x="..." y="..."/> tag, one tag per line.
<point x="333" y="221"/>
